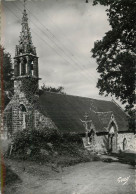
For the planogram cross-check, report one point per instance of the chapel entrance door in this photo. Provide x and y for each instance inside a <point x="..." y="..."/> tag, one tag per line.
<point x="114" y="143"/>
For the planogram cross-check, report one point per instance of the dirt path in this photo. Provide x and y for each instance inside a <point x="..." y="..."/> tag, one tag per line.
<point x="86" y="178"/>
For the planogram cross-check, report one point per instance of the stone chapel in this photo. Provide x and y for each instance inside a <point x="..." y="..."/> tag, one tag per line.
<point x="102" y="124"/>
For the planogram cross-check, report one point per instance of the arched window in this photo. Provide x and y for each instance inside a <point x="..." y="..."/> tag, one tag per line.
<point x="112" y="128"/>
<point x="124" y="144"/>
<point x="22" y="110"/>
<point x="32" y="68"/>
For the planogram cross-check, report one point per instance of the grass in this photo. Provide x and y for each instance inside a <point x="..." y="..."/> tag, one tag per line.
<point x="125" y="157"/>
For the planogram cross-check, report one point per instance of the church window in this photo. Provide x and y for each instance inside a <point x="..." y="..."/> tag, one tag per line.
<point x="112" y="129"/>
<point x="124" y="144"/>
<point x="22" y="111"/>
<point x="22" y="108"/>
<point x="32" y="68"/>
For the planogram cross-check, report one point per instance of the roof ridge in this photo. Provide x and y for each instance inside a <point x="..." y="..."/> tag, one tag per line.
<point x="104" y="112"/>
<point x="54" y="93"/>
<point x="118" y="106"/>
<point x="65" y="94"/>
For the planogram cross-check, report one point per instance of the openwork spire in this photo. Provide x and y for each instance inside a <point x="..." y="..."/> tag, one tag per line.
<point x="25" y="35"/>
<point x="25" y="41"/>
<point x="25" y="60"/>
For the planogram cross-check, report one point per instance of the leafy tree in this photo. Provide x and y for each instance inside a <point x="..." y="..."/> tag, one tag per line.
<point x="6" y="72"/>
<point x="59" y="90"/>
<point x="116" y="52"/>
<point x="132" y="119"/>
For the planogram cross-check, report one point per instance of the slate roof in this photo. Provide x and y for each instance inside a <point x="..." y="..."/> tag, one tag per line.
<point x="67" y="111"/>
<point x="104" y="117"/>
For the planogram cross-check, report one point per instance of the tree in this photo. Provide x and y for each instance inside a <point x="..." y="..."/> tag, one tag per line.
<point x="59" y="90"/>
<point x="116" y="52"/>
<point x="6" y="72"/>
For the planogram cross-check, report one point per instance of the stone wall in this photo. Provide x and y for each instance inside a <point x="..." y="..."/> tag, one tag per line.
<point x="130" y="141"/>
<point x="13" y="110"/>
<point x="13" y="117"/>
<point x="101" y="142"/>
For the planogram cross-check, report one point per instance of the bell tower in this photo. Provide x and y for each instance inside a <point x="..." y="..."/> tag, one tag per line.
<point x="24" y="111"/>
<point x="26" y="74"/>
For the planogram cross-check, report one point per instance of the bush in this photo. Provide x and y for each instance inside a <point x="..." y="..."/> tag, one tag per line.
<point x="49" y="145"/>
<point x="34" y="139"/>
<point x="72" y="137"/>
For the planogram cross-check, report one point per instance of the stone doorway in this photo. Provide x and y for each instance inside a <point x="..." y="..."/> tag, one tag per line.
<point x="113" y="138"/>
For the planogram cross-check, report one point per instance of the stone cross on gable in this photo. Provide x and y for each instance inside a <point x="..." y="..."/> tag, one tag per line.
<point x="86" y="121"/>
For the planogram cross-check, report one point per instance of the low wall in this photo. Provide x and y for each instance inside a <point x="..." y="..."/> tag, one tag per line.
<point x="102" y="142"/>
<point x="130" y="141"/>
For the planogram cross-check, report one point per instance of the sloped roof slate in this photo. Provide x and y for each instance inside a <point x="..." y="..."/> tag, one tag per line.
<point x="104" y="117"/>
<point x="67" y="111"/>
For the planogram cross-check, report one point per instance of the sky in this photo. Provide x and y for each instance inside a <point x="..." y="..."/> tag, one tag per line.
<point x="64" y="32"/>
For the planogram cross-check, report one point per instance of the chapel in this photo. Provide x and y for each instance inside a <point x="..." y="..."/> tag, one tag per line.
<point x="103" y="125"/>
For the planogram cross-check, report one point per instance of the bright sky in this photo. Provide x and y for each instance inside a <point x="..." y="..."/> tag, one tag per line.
<point x="63" y="32"/>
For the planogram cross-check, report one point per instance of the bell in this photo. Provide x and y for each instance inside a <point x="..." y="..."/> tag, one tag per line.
<point x="86" y="1"/>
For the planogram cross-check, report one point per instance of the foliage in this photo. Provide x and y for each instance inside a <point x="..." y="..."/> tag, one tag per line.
<point x="116" y="52"/>
<point x="132" y="120"/>
<point x="59" y="90"/>
<point x="6" y="74"/>
<point x="72" y="137"/>
<point x="50" y="146"/>
<point x="38" y="138"/>
<point x="5" y="58"/>
<point x="34" y="139"/>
